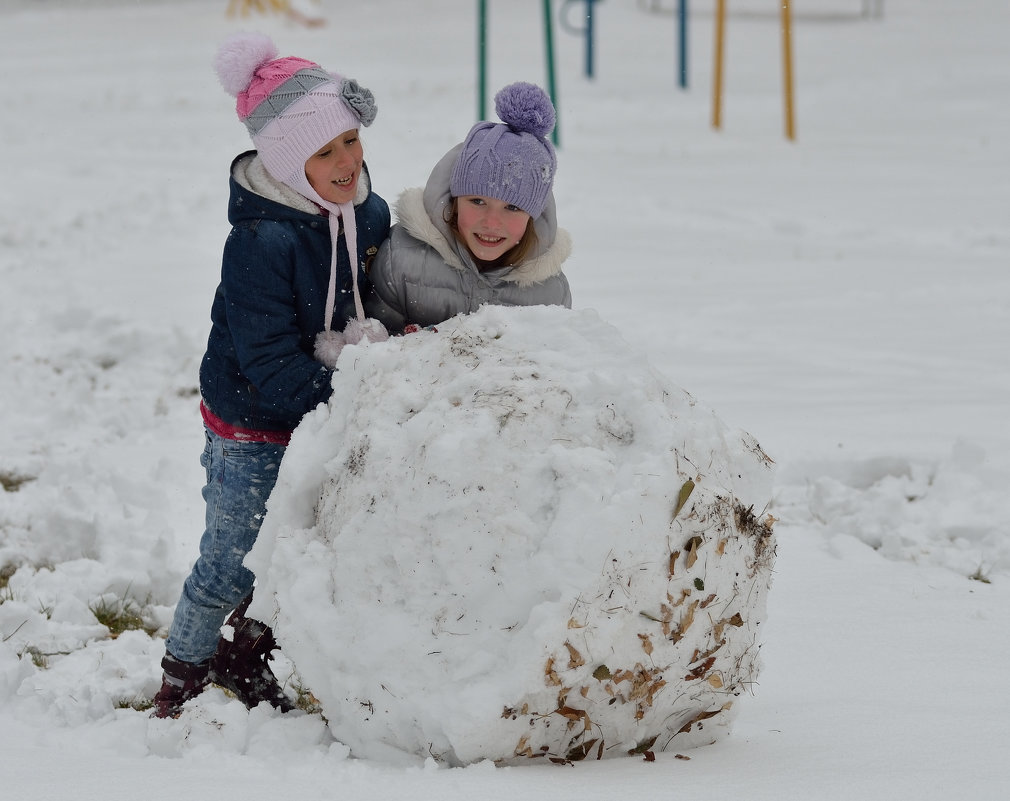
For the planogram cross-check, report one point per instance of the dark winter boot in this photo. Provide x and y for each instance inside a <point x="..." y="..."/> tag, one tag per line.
<point x="241" y="664"/>
<point x="180" y="682"/>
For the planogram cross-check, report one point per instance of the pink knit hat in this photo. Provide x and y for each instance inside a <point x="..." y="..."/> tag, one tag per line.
<point x="291" y="107"/>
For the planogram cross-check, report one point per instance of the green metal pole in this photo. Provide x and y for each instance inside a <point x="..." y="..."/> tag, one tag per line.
<point x="551" y="87"/>
<point x="481" y="60"/>
<point x="682" y="42"/>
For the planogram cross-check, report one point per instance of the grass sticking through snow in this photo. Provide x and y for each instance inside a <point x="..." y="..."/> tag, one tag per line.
<point x="121" y="614"/>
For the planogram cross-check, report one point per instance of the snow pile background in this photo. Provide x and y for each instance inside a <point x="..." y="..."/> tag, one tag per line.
<point x="511" y="539"/>
<point x="844" y="298"/>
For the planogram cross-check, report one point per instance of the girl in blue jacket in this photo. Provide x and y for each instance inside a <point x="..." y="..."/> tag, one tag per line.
<point x="301" y="204"/>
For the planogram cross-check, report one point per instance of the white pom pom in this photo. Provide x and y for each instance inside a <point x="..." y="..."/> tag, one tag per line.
<point x="370" y="330"/>
<point x="239" y="57"/>
<point x="327" y="347"/>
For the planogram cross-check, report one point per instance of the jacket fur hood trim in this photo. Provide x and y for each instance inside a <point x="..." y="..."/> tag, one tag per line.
<point x="413" y="216"/>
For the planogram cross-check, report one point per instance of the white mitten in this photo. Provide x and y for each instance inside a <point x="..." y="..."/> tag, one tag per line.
<point x="328" y="346"/>
<point x="370" y="330"/>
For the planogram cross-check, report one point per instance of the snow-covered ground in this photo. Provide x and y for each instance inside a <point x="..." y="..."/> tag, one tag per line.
<point x="843" y="298"/>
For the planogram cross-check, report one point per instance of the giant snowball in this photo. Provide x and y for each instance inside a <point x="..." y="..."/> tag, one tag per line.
<point x="512" y="539"/>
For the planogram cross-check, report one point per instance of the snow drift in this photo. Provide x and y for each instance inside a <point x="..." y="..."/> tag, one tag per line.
<point x="511" y="538"/>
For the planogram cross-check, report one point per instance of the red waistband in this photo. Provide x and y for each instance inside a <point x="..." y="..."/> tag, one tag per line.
<point x="228" y="431"/>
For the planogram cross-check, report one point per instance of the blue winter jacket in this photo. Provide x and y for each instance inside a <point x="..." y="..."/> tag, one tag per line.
<point x="258" y="371"/>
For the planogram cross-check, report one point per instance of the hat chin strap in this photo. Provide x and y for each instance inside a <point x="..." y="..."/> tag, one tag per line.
<point x="330" y="343"/>
<point x="300" y="183"/>
<point x="345" y="211"/>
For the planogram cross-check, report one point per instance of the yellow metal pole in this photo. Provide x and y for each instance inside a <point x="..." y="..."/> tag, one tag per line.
<point x="787" y="65"/>
<point x="720" y="29"/>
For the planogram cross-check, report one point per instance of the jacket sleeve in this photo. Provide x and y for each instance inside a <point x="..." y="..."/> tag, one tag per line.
<point x="567" y="301"/>
<point x="386" y="301"/>
<point x="256" y="280"/>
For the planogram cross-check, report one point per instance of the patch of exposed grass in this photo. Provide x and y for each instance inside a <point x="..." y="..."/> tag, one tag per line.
<point x="12" y="482"/>
<point x="304" y="699"/>
<point x="981" y="574"/>
<point x="39" y="659"/>
<point x="7" y="572"/>
<point x="6" y="593"/>
<point x="121" y="614"/>
<point x="138" y="702"/>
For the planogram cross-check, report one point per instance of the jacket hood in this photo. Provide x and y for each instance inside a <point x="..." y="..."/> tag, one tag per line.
<point x="420" y="212"/>
<point x="264" y="196"/>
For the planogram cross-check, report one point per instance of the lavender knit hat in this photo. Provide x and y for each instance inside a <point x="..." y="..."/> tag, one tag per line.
<point x="512" y="161"/>
<point x="291" y="107"/>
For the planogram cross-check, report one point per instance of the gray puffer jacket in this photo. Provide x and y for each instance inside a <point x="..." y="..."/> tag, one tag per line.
<point x="424" y="275"/>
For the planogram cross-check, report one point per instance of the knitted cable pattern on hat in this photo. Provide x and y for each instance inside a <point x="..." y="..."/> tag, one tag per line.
<point x="512" y="161"/>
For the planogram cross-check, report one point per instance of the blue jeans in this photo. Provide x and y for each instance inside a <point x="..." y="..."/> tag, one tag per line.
<point x="240" y="477"/>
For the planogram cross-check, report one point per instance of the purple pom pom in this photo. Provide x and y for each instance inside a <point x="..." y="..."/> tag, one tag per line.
<point x="525" y="107"/>
<point x="239" y="58"/>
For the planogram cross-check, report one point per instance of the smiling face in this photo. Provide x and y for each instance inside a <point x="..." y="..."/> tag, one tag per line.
<point x="333" y="170"/>
<point x="489" y="227"/>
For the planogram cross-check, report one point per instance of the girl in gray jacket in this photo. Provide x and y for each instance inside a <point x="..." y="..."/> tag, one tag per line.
<point x="484" y="228"/>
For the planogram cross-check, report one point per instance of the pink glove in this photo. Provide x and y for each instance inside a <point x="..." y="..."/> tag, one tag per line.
<point x="413" y="328"/>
